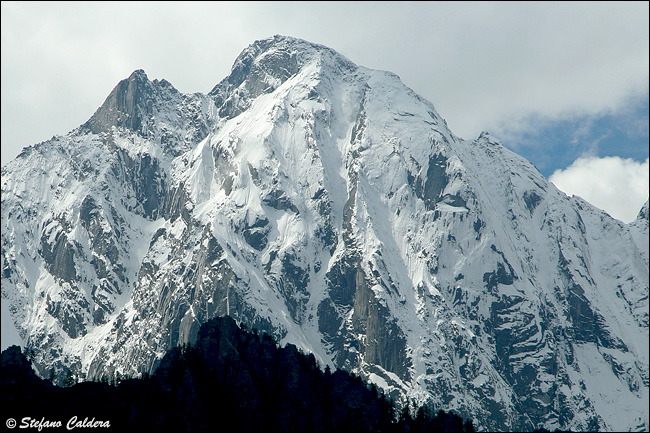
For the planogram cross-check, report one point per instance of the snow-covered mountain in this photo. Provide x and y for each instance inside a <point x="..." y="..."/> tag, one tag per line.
<point x="329" y="205"/>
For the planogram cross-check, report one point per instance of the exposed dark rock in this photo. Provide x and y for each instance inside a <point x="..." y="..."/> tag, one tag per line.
<point x="59" y="255"/>
<point x="429" y="188"/>
<point x="256" y="234"/>
<point x="385" y="342"/>
<point x="532" y="199"/>
<point x="277" y="199"/>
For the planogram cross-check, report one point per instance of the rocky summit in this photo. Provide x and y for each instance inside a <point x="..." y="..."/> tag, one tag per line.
<point x="330" y="206"/>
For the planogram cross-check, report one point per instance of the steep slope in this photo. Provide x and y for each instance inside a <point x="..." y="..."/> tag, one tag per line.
<point x="328" y="204"/>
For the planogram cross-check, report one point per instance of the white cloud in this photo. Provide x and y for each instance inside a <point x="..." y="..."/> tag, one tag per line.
<point x="485" y="65"/>
<point x="618" y="186"/>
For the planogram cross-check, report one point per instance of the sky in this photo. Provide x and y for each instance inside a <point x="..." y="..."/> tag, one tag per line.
<point x="564" y="84"/>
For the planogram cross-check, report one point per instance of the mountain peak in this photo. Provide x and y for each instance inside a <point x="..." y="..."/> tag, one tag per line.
<point x="129" y="104"/>
<point x="121" y="106"/>
<point x="287" y="45"/>
<point x="138" y="73"/>
<point x="264" y="66"/>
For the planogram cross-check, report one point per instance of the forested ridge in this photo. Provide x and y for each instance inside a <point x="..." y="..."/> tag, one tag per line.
<point x="231" y="379"/>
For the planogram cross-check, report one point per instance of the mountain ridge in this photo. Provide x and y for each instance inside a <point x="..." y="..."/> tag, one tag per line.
<point x="329" y="205"/>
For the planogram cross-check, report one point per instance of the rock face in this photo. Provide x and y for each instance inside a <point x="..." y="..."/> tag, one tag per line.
<point x="328" y="204"/>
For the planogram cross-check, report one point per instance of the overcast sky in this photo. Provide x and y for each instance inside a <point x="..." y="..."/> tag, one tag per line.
<point x="563" y="84"/>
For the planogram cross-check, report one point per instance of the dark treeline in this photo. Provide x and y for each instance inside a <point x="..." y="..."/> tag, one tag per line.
<point x="229" y="380"/>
